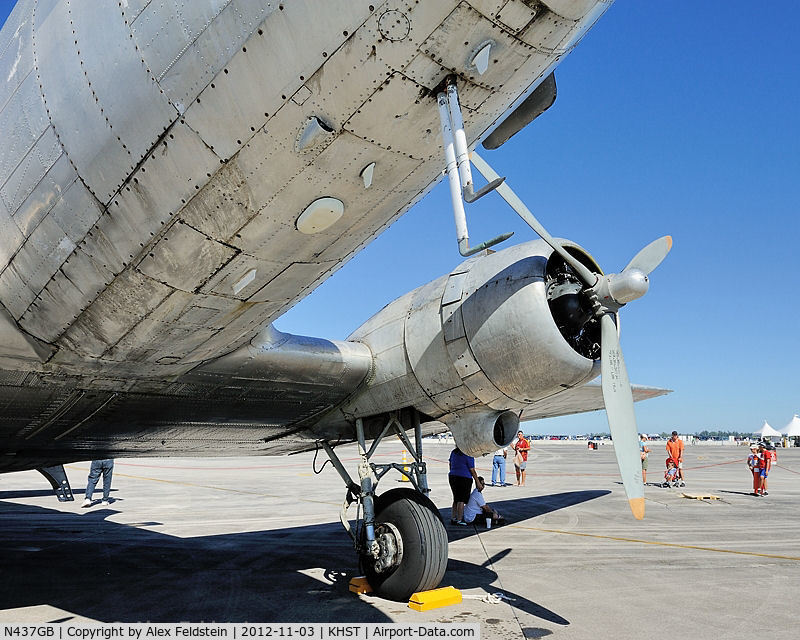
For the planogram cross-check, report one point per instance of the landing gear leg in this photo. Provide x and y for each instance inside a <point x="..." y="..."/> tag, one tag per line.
<point x="401" y="539"/>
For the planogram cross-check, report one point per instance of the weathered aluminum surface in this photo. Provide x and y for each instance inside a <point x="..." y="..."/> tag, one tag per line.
<point x="274" y="356"/>
<point x="27" y="157"/>
<point x="263" y="72"/>
<point x="16" y="50"/>
<point x="186" y="44"/>
<point x="475" y="430"/>
<point x="427" y="352"/>
<point x="393" y="384"/>
<point x="504" y="353"/>
<point x="47" y="182"/>
<point x="84" y="57"/>
<point x="10" y="238"/>
<point x="572" y="9"/>
<point x="148" y="164"/>
<point x="17" y="345"/>
<point x="513" y="280"/>
<point x="192" y="201"/>
<point x="257" y="393"/>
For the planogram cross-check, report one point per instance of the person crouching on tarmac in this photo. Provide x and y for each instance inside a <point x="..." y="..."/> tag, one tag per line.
<point x="671" y="474"/>
<point x="477" y="511"/>
<point x="753" y="465"/>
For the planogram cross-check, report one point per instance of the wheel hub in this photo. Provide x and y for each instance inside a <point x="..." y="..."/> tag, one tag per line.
<point x="390" y="544"/>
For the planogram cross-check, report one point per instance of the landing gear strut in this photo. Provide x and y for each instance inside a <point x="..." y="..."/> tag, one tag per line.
<point x="401" y="539"/>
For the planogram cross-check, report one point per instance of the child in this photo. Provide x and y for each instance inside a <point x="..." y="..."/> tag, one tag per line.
<point x="671" y="474"/>
<point x="753" y="465"/>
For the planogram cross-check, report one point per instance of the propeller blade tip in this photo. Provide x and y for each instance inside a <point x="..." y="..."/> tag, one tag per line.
<point x="637" y="507"/>
<point x="669" y="243"/>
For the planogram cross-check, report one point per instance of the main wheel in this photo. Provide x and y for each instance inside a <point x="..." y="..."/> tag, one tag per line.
<point x="413" y="545"/>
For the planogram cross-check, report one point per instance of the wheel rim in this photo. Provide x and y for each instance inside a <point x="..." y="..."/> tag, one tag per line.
<point x="390" y="543"/>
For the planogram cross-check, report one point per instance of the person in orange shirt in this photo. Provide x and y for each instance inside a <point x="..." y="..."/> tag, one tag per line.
<point x="675" y="451"/>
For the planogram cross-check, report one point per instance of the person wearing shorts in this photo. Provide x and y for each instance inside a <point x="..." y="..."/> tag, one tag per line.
<point x="764" y="466"/>
<point x="521" y="446"/>
<point x="462" y="472"/>
<point x="644" y="451"/>
<point x="772" y="459"/>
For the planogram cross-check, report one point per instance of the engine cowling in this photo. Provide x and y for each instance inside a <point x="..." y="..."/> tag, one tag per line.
<point x="479" y="431"/>
<point x="471" y="346"/>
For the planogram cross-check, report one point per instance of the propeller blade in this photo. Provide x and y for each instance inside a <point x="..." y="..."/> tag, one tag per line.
<point x="621" y="418"/>
<point x="588" y="278"/>
<point x="651" y="256"/>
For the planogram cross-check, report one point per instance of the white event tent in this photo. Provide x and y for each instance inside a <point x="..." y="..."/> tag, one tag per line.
<point x="793" y="428"/>
<point x="767" y="431"/>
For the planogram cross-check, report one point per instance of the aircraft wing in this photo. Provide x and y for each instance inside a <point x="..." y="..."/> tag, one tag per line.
<point x="166" y="191"/>
<point x="588" y="397"/>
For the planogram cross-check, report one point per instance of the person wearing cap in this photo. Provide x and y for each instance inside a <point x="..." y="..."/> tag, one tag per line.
<point x="767" y="453"/>
<point x="521" y="446"/>
<point x="675" y="451"/>
<point x="753" y="465"/>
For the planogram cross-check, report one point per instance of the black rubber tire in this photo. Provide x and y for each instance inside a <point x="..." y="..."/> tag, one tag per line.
<point x="424" y="540"/>
<point x="383" y="500"/>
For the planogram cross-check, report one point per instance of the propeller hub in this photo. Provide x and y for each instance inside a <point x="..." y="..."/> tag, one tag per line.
<point x="628" y="285"/>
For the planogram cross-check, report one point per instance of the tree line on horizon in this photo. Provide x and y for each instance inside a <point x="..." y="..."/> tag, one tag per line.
<point x="703" y="435"/>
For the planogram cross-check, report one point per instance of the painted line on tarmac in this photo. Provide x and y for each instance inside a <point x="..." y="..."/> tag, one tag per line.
<point x="780" y="466"/>
<point x="656" y="543"/>
<point x="206" y="486"/>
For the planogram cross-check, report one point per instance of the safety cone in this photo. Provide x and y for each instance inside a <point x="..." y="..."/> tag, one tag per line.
<point x="406" y="469"/>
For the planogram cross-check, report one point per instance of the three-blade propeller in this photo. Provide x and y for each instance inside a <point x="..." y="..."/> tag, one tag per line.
<point x="607" y="293"/>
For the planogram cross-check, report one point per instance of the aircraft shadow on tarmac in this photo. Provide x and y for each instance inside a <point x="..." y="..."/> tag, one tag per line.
<point x="38" y="493"/>
<point x="94" y="568"/>
<point x="466" y="576"/>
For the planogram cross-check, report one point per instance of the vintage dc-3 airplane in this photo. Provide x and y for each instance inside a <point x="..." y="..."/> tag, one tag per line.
<point x="175" y="176"/>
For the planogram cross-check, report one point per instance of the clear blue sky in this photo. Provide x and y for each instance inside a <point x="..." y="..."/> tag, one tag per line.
<point x="674" y="117"/>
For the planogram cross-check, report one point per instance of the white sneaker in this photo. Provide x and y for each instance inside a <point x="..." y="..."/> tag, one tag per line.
<point x="87" y="502"/>
<point x="105" y="503"/>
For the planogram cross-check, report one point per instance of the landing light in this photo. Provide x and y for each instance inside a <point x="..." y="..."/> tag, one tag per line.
<point x="320" y="215"/>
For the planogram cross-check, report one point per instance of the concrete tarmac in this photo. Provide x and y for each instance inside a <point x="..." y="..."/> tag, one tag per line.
<point x="258" y="540"/>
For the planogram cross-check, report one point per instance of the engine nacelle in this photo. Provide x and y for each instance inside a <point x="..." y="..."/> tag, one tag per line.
<point x="473" y="345"/>
<point x="481" y="431"/>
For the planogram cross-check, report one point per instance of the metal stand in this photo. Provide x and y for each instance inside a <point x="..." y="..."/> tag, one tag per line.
<point x="459" y="173"/>
<point x="57" y="477"/>
<point x="363" y="492"/>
